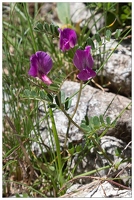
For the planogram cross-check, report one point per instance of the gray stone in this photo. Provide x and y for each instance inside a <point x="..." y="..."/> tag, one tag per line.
<point x="97" y="189"/>
<point x="93" y="102"/>
<point x="79" y="13"/>
<point x="93" y="160"/>
<point x="118" y="68"/>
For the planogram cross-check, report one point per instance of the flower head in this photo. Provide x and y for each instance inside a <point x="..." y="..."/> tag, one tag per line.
<point x="40" y="65"/>
<point x="68" y="39"/>
<point x="83" y="61"/>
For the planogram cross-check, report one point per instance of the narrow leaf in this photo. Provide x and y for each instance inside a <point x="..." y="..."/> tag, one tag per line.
<point x="68" y="103"/>
<point x="102" y="120"/>
<point x="52" y="29"/>
<point x="46" y="27"/>
<point x="90" y="42"/>
<point x="27" y="92"/>
<point x="43" y="95"/>
<point x="96" y="121"/>
<point x="117" y="33"/>
<point x="108" y="35"/>
<point x="108" y="120"/>
<point x="98" y="38"/>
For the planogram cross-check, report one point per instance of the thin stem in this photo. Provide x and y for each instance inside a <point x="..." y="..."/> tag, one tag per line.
<point x="76" y="107"/>
<point x="122" y="112"/>
<point x="22" y="147"/>
<point x="55" y="134"/>
<point x="78" y="99"/>
<point x="30" y="26"/>
<point x="91" y="137"/>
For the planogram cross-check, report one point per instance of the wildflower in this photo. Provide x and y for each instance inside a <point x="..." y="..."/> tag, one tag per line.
<point x="83" y="61"/>
<point x="68" y="39"/>
<point x="40" y="65"/>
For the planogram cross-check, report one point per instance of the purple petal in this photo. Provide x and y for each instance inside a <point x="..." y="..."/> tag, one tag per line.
<point x="33" y="66"/>
<point x="89" y="60"/>
<point x="86" y="74"/>
<point x="65" y="45"/>
<point x="44" y="62"/>
<point x="68" y="38"/>
<point x="45" y="79"/>
<point x="40" y="65"/>
<point x="83" y="59"/>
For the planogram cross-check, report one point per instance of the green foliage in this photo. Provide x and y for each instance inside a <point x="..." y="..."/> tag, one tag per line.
<point x="50" y="29"/>
<point x="23" y="35"/>
<point x="24" y="195"/>
<point x="63" y="10"/>
<point x="96" y="124"/>
<point x="121" y="11"/>
<point x="108" y="35"/>
<point x="68" y="102"/>
<point x="98" y="38"/>
<point x="90" y="42"/>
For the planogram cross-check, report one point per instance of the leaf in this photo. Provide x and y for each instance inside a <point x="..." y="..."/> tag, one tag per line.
<point x="33" y="93"/>
<point x="96" y="121"/>
<point x="102" y="120"/>
<point x="50" y="97"/>
<point x="57" y="100"/>
<point x="56" y="30"/>
<point x="43" y="95"/>
<point x="108" y="35"/>
<point x="86" y="120"/>
<point x="117" y="152"/>
<point x="52" y="105"/>
<point x="27" y="93"/>
<point x="85" y="127"/>
<point x="89" y="41"/>
<point x="25" y="195"/>
<point x="36" y="29"/>
<point x="54" y="87"/>
<point x="68" y="103"/>
<point x="71" y="151"/>
<point x="63" y="11"/>
<point x="91" y="124"/>
<point x="98" y="38"/>
<point x="62" y="96"/>
<point x="39" y="26"/>
<point x="52" y="29"/>
<point x="108" y="120"/>
<point x="78" y="149"/>
<point x="46" y="27"/>
<point x="117" y="33"/>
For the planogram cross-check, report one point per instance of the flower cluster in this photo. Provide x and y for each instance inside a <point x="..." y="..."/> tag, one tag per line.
<point x="41" y="63"/>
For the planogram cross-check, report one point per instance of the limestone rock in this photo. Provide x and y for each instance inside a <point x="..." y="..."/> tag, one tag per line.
<point x="93" y="102"/>
<point x="97" y="189"/>
<point x="118" y="68"/>
<point x="79" y="13"/>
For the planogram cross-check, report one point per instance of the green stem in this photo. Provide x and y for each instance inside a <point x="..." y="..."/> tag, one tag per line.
<point x="78" y="99"/>
<point x="122" y="112"/>
<point x="55" y="134"/>
<point x="31" y="30"/>
<point x="91" y="137"/>
<point x="76" y="107"/>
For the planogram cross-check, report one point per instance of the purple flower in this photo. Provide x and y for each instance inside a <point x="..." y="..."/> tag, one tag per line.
<point x="68" y="39"/>
<point x="83" y="60"/>
<point x="40" y="65"/>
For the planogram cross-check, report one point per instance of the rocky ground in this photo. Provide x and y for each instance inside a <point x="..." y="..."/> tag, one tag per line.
<point x="95" y="101"/>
